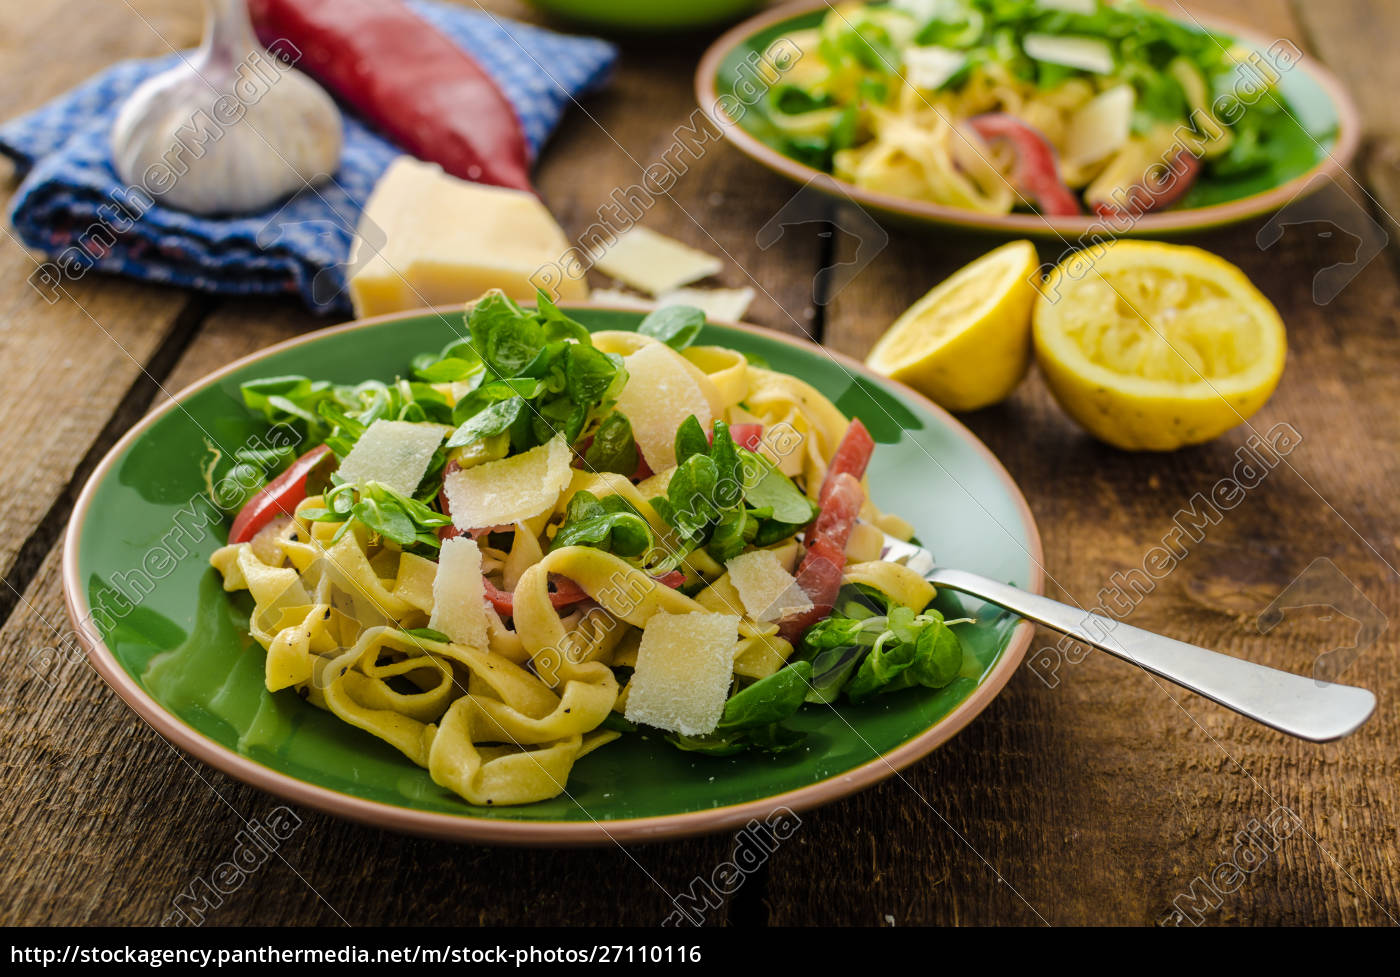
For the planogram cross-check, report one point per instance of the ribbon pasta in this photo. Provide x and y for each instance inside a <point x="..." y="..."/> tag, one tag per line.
<point x="341" y="611"/>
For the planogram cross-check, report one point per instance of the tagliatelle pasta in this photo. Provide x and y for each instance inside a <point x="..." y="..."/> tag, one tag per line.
<point x="1107" y="107"/>
<point x="357" y="590"/>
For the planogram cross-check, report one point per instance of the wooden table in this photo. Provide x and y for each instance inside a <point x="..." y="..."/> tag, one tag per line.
<point x="1101" y="799"/>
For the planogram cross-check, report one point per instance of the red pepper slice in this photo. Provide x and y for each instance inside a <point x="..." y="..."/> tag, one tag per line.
<point x="1150" y="194"/>
<point x="409" y="79"/>
<point x="279" y="497"/>
<point x="1036" y="171"/>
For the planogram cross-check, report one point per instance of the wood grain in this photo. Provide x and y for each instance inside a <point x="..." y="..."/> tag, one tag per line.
<point x="73" y="358"/>
<point x="1099" y="799"/>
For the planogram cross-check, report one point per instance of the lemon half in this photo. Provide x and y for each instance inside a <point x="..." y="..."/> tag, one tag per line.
<point x="1154" y="346"/>
<point x="967" y="343"/>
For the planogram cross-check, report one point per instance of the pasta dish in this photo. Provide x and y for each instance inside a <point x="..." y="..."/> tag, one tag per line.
<point x="540" y="540"/>
<point x="1052" y="106"/>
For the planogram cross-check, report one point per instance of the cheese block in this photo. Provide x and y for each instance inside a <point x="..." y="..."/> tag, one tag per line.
<point x="511" y="490"/>
<point x="654" y="263"/>
<point x="459" y="597"/>
<point x="767" y="590"/>
<point x="427" y="238"/>
<point x="393" y="453"/>
<point x="685" y="665"/>
<point x="661" y="392"/>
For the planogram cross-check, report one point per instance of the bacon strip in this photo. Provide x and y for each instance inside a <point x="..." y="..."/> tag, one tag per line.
<point x="851" y="457"/>
<point x="841" y="498"/>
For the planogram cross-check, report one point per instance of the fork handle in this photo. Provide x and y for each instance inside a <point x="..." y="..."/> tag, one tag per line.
<point x="1295" y="704"/>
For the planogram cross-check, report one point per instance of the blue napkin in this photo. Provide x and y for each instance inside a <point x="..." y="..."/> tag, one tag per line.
<point x="71" y="203"/>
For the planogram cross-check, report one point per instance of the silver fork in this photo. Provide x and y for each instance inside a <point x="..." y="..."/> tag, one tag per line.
<point x="1295" y="704"/>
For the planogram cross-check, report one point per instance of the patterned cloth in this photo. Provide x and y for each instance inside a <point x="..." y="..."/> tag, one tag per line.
<point x="71" y="195"/>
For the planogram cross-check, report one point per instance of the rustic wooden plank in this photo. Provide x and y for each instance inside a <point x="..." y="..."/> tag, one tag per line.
<point x="1353" y="37"/>
<point x="1099" y="800"/>
<point x="71" y="362"/>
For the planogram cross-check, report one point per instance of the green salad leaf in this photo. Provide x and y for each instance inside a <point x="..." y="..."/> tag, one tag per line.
<point x="725" y="498"/>
<point x="753" y="717"/>
<point x="609" y="523"/>
<point x="614" y="447"/>
<point x="870" y="647"/>
<point x="675" y="325"/>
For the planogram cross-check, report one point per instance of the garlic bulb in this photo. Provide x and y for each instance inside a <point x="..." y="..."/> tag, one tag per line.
<point x="232" y="129"/>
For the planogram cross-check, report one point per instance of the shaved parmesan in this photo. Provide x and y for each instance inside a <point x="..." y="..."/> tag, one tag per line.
<point x="654" y="263"/>
<point x="685" y="665"/>
<point x="724" y="304"/>
<point x="393" y="453"/>
<point x="510" y="490"/>
<point x="459" y="597"/>
<point x="1086" y="53"/>
<point x="1101" y="126"/>
<point x="621" y="298"/>
<point x="767" y="590"/>
<point x="1072" y="6"/>
<point x="929" y="67"/>
<point x="660" y="394"/>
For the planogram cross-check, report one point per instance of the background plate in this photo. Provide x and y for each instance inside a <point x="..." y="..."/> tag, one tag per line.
<point x="1319" y="141"/>
<point x="162" y="631"/>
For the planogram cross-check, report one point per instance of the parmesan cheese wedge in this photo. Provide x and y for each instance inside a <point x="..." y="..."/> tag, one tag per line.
<point x="661" y="392"/>
<point x="393" y="453"/>
<point x="427" y="238"/>
<point x="685" y="665"/>
<point x="510" y="490"/>
<point x="653" y="263"/>
<point x="766" y="589"/>
<point x="928" y="67"/>
<point x="459" y="597"/>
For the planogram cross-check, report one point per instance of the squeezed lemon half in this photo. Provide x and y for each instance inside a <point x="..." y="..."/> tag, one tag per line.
<point x="967" y="343"/>
<point x="1154" y="346"/>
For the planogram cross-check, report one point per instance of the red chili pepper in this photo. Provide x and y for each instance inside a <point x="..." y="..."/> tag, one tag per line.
<point x="409" y="79"/>
<point x="1036" y="172"/>
<point x="279" y="497"/>
<point x="1150" y="194"/>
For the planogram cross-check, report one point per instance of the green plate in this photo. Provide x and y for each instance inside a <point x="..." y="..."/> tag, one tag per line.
<point x="645" y="16"/>
<point x="160" y="628"/>
<point x="1317" y="142"/>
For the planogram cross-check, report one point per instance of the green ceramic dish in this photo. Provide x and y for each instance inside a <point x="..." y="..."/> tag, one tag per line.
<point x="1320" y="143"/>
<point x="181" y="657"/>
